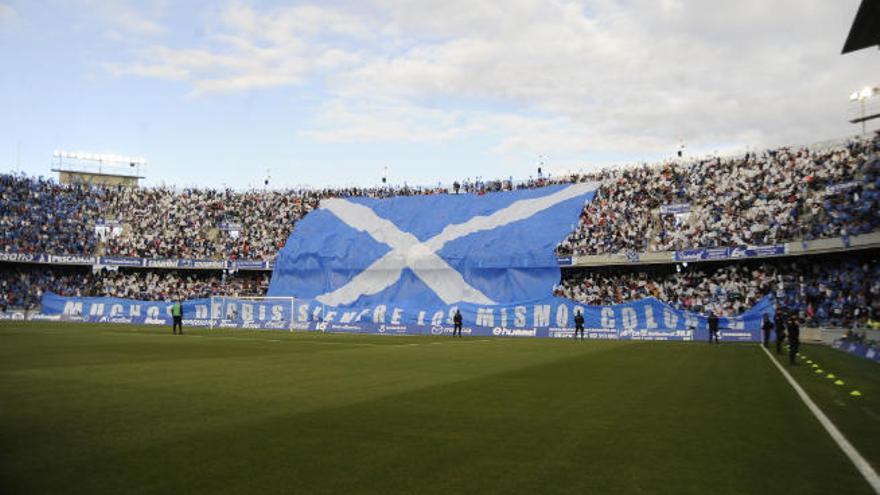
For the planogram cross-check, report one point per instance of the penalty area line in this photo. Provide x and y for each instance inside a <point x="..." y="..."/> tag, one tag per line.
<point x="861" y="464"/>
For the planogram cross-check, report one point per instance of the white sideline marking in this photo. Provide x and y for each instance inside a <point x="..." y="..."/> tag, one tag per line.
<point x="861" y="464"/>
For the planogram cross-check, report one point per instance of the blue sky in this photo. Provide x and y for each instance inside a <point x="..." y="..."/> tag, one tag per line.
<point x="330" y="93"/>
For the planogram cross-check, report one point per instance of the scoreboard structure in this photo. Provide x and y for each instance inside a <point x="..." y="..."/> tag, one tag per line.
<point x="76" y="167"/>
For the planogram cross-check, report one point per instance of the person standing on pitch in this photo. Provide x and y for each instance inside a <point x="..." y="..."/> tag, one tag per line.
<point x="779" y="326"/>
<point x="578" y="325"/>
<point x="177" y="316"/>
<point x="456" y="320"/>
<point x="794" y="339"/>
<point x="713" y="327"/>
<point x="766" y="326"/>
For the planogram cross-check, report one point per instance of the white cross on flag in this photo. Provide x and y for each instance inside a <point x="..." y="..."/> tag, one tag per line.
<point x="430" y="250"/>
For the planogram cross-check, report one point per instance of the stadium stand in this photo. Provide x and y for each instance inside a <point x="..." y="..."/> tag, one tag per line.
<point x="780" y="195"/>
<point x="22" y="286"/>
<point x="825" y="290"/>
<point x="38" y="215"/>
<point x="785" y="194"/>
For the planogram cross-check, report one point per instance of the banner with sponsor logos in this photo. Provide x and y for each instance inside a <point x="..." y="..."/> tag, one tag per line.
<point x="723" y="253"/>
<point x="565" y="260"/>
<point x="675" y="209"/>
<point x="124" y="261"/>
<point x="647" y="319"/>
<point x="858" y="349"/>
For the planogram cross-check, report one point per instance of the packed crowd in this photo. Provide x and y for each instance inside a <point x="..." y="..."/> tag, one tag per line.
<point x="203" y="223"/>
<point x="777" y="196"/>
<point x="38" y="215"/>
<point x="22" y="286"/>
<point x="825" y="290"/>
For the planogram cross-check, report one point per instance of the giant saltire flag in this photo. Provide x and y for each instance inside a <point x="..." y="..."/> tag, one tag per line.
<point x="408" y="263"/>
<point x="404" y="265"/>
<point x="430" y="251"/>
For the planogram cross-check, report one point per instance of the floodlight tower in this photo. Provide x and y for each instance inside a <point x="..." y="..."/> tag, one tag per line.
<point x="868" y="105"/>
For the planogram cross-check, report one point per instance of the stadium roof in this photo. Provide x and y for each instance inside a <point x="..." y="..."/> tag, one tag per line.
<point x="865" y="31"/>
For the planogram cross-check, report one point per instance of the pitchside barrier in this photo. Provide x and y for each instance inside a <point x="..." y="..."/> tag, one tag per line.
<point x="860" y="349"/>
<point x="647" y="319"/>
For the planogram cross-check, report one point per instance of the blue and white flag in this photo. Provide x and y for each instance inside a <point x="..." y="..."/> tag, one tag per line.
<point x="430" y="251"/>
<point x="406" y="266"/>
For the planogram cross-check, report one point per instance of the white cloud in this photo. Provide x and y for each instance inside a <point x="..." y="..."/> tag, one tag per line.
<point x="122" y="17"/>
<point x="538" y="75"/>
<point x="248" y="50"/>
<point x="146" y="70"/>
<point x="390" y="120"/>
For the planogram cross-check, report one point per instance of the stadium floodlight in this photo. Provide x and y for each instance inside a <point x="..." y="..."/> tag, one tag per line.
<point x="863" y="97"/>
<point x="99" y="157"/>
<point x="866" y="93"/>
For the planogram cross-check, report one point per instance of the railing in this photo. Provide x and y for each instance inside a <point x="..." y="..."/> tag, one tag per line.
<point x="793" y="248"/>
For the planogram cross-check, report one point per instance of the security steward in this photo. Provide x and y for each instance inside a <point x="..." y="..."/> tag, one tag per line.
<point x="177" y="316"/>
<point x="713" y="327"/>
<point x="766" y="326"/>
<point x="779" y="325"/>
<point x="456" y="320"/>
<point x="578" y="325"/>
<point x="794" y="339"/>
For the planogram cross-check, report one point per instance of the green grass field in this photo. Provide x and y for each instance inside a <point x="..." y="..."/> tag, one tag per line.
<point x="119" y="409"/>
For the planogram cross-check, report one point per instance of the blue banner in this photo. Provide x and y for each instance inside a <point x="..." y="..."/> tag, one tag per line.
<point x="647" y="319"/>
<point x="250" y="265"/>
<point x="124" y="261"/>
<point x="675" y="209"/>
<point x="20" y="257"/>
<point x="858" y="349"/>
<point x="120" y="261"/>
<point x="565" y="260"/>
<point x="430" y="251"/>
<point x="217" y="312"/>
<point x="708" y="254"/>
<point x="203" y="264"/>
<point x="70" y="259"/>
<point x="406" y="265"/>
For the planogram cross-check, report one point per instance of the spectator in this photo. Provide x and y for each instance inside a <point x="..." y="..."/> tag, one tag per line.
<point x="826" y="291"/>
<point x="22" y="286"/>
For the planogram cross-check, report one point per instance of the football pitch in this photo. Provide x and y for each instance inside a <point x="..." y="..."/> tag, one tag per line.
<point x="123" y="409"/>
